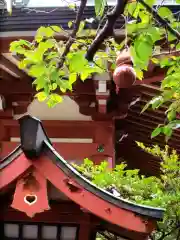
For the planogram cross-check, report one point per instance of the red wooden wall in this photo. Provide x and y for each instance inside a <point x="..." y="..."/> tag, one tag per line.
<point x="101" y="133"/>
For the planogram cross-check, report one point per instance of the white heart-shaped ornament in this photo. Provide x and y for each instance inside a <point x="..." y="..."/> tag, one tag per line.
<point x="30" y="199"/>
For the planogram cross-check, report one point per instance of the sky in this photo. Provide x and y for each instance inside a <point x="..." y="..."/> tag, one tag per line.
<point x="58" y="3"/>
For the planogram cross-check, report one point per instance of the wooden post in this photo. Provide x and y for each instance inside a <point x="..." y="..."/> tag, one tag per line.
<point x="84" y="231"/>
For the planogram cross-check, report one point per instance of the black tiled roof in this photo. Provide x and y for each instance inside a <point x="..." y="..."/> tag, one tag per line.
<point x="30" y="20"/>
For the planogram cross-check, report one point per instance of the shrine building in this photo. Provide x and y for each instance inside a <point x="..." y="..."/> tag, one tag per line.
<point x="42" y="195"/>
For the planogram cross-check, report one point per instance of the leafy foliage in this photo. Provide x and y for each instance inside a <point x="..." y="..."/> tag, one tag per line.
<point x="56" y="66"/>
<point x="105" y="235"/>
<point x="161" y="192"/>
<point x="41" y="59"/>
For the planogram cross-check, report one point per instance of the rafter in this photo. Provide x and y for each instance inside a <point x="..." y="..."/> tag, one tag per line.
<point x="11" y="68"/>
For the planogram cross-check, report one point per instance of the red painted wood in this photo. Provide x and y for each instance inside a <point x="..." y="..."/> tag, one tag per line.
<point x="84" y="231"/>
<point x="152" y="79"/>
<point x="100" y="132"/>
<point x="12" y="67"/>
<point x="20" y="86"/>
<point x="69" y="151"/>
<point x="7" y="148"/>
<point x="89" y="201"/>
<point x="68" y="129"/>
<point x="13" y="170"/>
<point x="95" y="205"/>
<point x="59" y="213"/>
<point x="34" y="186"/>
<point x="7" y="113"/>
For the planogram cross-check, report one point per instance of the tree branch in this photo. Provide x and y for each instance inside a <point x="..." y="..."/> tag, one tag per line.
<point x="160" y="19"/>
<point x="107" y="30"/>
<point x="74" y="32"/>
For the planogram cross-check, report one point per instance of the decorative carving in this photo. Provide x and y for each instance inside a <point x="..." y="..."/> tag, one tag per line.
<point x="30" y="199"/>
<point x="31" y="194"/>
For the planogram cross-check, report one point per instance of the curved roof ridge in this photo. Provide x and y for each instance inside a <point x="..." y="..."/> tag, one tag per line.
<point x="148" y="211"/>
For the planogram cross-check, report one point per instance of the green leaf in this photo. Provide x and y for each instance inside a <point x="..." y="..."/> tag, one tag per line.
<point x="145" y="107"/>
<point x="174" y="124"/>
<point x="40" y="83"/>
<point x="44" y="46"/>
<point x="44" y="32"/>
<point x="171" y="69"/>
<point x="72" y="78"/>
<point x="37" y="70"/>
<point x="132" y="8"/>
<point x="155" y="33"/>
<point x="54" y="99"/>
<point x="167" y="131"/>
<point x="171" y="115"/>
<point x="144" y="16"/>
<point x="155" y="60"/>
<point x="61" y="73"/>
<point x="70" y="23"/>
<point x="177" y="1"/>
<point x="52" y="55"/>
<point x="72" y="6"/>
<point x="15" y="45"/>
<point x="84" y="75"/>
<point x="24" y="63"/>
<point x="81" y="26"/>
<point x="139" y="73"/>
<point x="77" y="61"/>
<point x="171" y="37"/>
<point x="143" y="48"/>
<point x="54" y="86"/>
<point x="150" y="2"/>
<point x="131" y="27"/>
<point x="142" y="51"/>
<point x="41" y="96"/>
<point x="56" y="28"/>
<point x="178" y="46"/>
<point x="156" y="132"/>
<point x="165" y="12"/>
<point x="164" y="62"/>
<point x="40" y="34"/>
<point x="137" y="62"/>
<point x="156" y="102"/>
<point x="100" y="7"/>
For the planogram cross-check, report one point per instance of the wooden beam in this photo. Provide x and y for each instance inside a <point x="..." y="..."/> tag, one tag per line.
<point x="62" y="212"/>
<point x="12" y="67"/>
<point x="70" y="151"/>
<point x="156" y="78"/>
<point x="11" y="172"/>
<point x="100" y="132"/>
<point x="21" y="86"/>
<point x="4" y="75"/>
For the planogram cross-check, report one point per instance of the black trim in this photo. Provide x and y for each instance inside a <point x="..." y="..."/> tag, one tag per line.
<point x="147" y="211"/>
<point x="11" y="157"/>
<point x="32" y="135"/>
